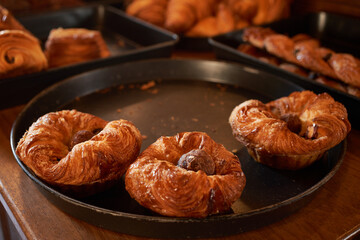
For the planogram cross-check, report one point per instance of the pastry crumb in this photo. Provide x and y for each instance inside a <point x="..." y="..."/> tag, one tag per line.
<point x="148" y="85"/>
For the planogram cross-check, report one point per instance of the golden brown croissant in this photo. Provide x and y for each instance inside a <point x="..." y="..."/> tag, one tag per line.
<point x="77" y="152"/>
<point x="256" y="35"/>
<point x="181" y="15"/>
<point x="187" y="175"/>
<point x="152" y="11"/>
<point x="346" y="68"/>
<point x="281" y="46"/>
<point x="20" y="54"/>
<point x="210" y="26"/>
<point x="290" y="132"/>
<point x="74" y="45"/>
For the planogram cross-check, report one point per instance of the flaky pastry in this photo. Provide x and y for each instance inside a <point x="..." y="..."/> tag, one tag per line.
<point x="290" y="132"/>
<point x="187" y="175"/>
<point x="79" y="153"/>
<point x="20" y="53"/>
<point x="74" y="45"/>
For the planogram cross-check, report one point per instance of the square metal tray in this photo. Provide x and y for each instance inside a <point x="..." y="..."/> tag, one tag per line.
<point x="126" y="38"/>
<point x="337" y="32"/>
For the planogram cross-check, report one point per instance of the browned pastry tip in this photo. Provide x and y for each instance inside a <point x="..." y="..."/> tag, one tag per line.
<point x="9" y="22"/>
<point x="187" y="175"/>
<point x="294" y="69"/>
<point x="79" y="152"/>
<point x="277" y="9"/>
<point x="281" y="46"/>
<point x="20" y="54"/>
<point x="245" y="9"/>
<point x="74" y="45"/>
<point x="290" y="132"/>
<point x="346" y="68"/>
<point x="256" y="35"/>
<point x="302" y="37"/>
<point x="152" y="11"/>
<point x="331" y="83"/>
<point x="312" y="58"/>
<point x="182" y="15"/>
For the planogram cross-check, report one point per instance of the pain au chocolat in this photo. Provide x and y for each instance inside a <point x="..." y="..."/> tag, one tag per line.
<point x="290" y="132"/>
<point x="186" y="175"/>
<point x="79" y="153"/>
<point x="20" y="53"/>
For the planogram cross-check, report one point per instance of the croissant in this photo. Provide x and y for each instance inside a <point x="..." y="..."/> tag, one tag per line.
<point x="77" y="152"/>
<point x="346" y="67"/>
<point x="290" y="132"/>
<point x="181" y="15"/>
<point x="152" y="11"/>
<point x="74" y="45"/>
<point x="256" y="35"/>
<point x="20" y="54"/>
<point x="210" y="26"/>
<point x="187" y="175"/>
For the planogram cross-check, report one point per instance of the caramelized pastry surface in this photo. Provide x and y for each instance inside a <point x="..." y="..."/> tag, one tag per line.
<point x="20" y="53"/>
<point x="74" y="149"/>
<point x="171" y="178"/>
<point x="290" y="132"/>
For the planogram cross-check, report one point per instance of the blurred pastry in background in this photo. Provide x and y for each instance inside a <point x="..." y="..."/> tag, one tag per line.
<point x="9" y="22"/>
<point x="20" y="53"/>
<point x="152" y="11"/>
<point x="207" y="18"/>
<point x="74" y="45"/>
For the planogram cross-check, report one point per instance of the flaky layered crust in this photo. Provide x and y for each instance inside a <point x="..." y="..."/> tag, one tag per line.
<point x="74" y="45"/>
<point x="47" y="148"/>
<point x="20" y="53"/>
<point x="156" y="182"/>
<point x="9" y="22"/>
<point x="276" y="139"/>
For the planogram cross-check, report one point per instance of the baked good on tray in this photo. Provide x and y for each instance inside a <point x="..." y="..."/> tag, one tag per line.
<point x="74" y="45"/>
<point x="207" y="18"/>
<point x="79" y="153"/>
<point x="9" y="22"/>
<point x="290" y="132"/>
<point x="20" y="53"/>
<point x="186" y="175"/>
<point x="337" y="70"/>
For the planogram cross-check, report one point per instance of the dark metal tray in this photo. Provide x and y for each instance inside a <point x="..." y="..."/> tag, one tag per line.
<point x="337" y="32"/>
<point x="126" y="38"/>
<point x="189" y="95"/>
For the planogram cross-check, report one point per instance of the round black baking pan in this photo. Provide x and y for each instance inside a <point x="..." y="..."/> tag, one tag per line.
<point x="164" y="97"/>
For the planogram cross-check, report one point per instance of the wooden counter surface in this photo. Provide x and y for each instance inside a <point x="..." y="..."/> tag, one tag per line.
<point x="333" y="213"/>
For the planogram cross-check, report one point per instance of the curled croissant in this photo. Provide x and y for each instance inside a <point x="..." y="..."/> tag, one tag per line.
<point x="71" y="150"/>
<point x="20" y="53"/>
<point x="291" y="132"/>
<point x="74" y="45"/>
<point x="187" y="175"/>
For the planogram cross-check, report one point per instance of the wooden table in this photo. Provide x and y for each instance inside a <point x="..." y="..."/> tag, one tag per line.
<point x="333" y="213"/>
